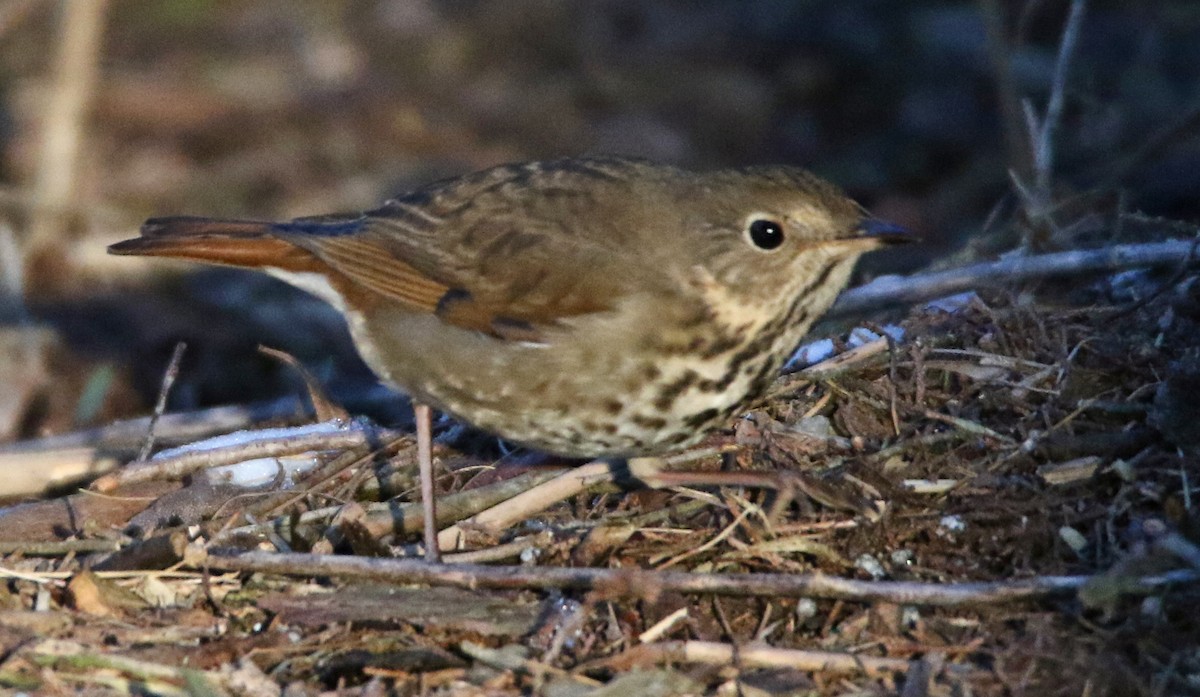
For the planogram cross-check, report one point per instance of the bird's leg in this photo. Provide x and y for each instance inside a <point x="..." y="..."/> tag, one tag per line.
<point x="424" y="417"/>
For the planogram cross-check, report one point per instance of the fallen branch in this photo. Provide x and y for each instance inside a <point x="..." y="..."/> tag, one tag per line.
<point x="247" y="446"/>
<point x="888" y="291"/>
<point x="642" y="583"/>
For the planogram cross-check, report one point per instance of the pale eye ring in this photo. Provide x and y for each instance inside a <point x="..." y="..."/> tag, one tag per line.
<point x="765" y="234"/>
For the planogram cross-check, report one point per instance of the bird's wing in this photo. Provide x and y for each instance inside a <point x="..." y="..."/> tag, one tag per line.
<point x="507" y="280"/>
<point x="481" y="254"/>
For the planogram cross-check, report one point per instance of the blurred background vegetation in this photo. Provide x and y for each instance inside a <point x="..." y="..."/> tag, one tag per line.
<point x="115" y="110"/>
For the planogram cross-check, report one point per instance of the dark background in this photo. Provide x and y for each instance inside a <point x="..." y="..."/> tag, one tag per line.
<point x="267" y="108"/>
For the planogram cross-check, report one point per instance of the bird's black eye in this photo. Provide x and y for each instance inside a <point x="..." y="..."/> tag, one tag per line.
<point x="765" y="234"/>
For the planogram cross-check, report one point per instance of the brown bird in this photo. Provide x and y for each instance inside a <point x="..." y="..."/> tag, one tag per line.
<point x="589" y="307"/>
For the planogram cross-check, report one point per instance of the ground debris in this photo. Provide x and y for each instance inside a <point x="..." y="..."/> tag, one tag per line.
<point x="1039" y="480"/>
<point x="991" y="494"/>
<point x="1043" y="477"/>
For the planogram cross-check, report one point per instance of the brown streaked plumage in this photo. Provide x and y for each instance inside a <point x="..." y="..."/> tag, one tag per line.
<point x="587" y="307"/>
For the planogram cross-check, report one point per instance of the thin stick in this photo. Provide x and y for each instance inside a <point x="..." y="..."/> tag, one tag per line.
<point x="642" y="583"/>
<point x="424" y="417"/>
<point x="1044" y="153"/>
<point x="887" y="291"/>
<point x="160" y="406"/>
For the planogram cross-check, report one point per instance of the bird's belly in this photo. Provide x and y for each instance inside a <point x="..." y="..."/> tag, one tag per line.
<point x="582" y="399"/>
<point x="609" y="415"/>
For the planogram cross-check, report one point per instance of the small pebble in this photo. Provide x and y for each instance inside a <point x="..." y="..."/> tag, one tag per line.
<point x="871" y="565"/>
<point x="1074" y="539"/>
<point x="952" y="523"/>
<point x="1152" y="608"/>
<point x="810" y="353"/>
<point x="806" y="609"/>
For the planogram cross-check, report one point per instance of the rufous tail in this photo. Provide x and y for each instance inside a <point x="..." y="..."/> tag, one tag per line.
<point x="245" y="243"/>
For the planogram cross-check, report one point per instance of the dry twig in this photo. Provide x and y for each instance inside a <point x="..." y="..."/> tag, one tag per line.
<point x="1043" y="153"/>
<point x="160" y="405"/>
<point x="641" y="583"/>
<point x="748" y="656"/>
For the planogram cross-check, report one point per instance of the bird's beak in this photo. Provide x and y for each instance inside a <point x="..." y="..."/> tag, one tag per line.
<point x="869" y="234"/>
<point x="883" y="233"/>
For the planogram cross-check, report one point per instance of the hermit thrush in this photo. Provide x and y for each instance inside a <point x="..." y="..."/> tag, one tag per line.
<point x="585" y="307"/>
